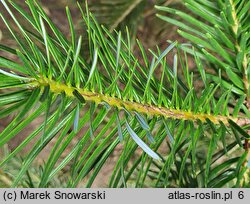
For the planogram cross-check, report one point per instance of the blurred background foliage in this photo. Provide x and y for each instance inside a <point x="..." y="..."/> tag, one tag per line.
<point x="137" y="15"/>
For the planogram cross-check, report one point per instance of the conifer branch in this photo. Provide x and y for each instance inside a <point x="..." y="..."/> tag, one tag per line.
<point x="235" y="28"/>
<point x="147" y="109"/>
<point x="53" y="80"/>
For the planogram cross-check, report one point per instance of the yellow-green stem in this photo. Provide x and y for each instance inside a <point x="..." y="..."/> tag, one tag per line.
<point x="235" y="28"/>
<point x="151" y="110"/>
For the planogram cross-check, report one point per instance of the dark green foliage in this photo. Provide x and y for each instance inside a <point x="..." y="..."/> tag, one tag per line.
<point x="112" y="98"/>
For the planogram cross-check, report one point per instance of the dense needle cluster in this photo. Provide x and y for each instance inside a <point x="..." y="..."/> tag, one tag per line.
<point x="109" y="81"/>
